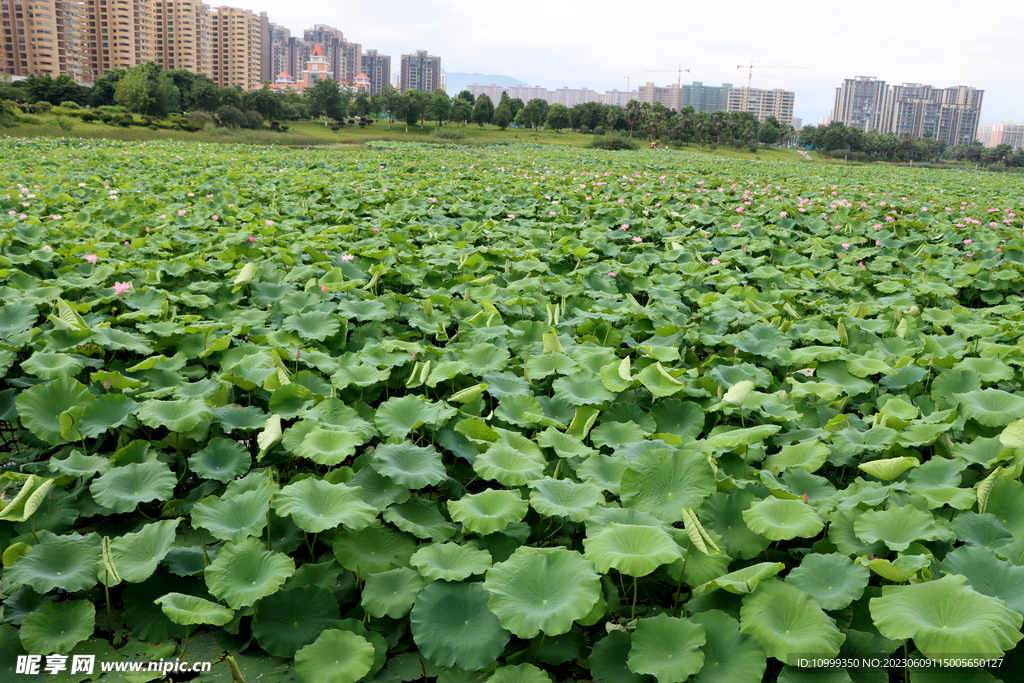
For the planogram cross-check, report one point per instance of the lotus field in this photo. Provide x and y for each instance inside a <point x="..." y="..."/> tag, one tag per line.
<point x="509" y="414"/>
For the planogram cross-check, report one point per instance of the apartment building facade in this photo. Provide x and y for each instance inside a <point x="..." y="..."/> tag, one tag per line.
<point x="183" y="35"/>
<point x="377" y="68"/>
<point x="948" y="114"/>
<point x="236" y="48"/>
<point x="44" y="37"/>
<point x="762" y="103"/>
<point x="1004" y="133"/>
<point x="420" y="71"/>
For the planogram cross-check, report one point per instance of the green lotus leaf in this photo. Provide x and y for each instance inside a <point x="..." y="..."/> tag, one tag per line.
<point x="78" y="465"/>
<point x="375" y="548"/>
<point x="659" y="382"/>
<point x="221" y="459"/>
<point x="521" y="673"/>
<point x="682" y="418"/>
<point x="787" y="622"/>
<point x="742" y="437"/>
<point x="809" y="455"/>
<point x="865" y="367"/>
<point x="991" y="407"/>
<point x="841" y="534"/>
<point x="902" y="569"/>
<point x="1006" y="502"/>
<point x="890" y="468"/>
<point x="27" y="501"/>
<point x="421" y="518"/>
<point x="177" y="416"/>
<point x="329" y="445"/>
<point x="564" y="498"/>
<point x="16" y="318"/>
<point x="391" y="593"/>
<point x="67" y="562"/>
<point x="1013" y="435"/>
<point x="615" y="434"/>
<point x="564" y="445"/>
<point x="980" y="530"/>
<point x="946" y="617"/>
<point x="109" y="411"/>
<point x="832" y="579"/>
<point x="245" y="572"/>
<point x="361" y="375"/>
<point x="509" y="466"/>
<point x="632" y="549"/>
<point x="722" y="513"/>
<point x="291" y="619"/>
<point x="988" y="575"/>
<point x="235" y="417"/>
<point x="608" y="659"/>
<point x="378" y="491"/>
<point x="729" y="656"/>
<point x="136" y="555"/>
<point x="316" y="505"/>
<point x="234" y="518"/>
<point x="52" y="365"/>
<point x="121" y="489"/>
<point x="335" y="657"/>
<point x="582" y="388"/>
<point x="604" y="470"/>
<point x="663" y="482"/>
<point x="539" y="367"/>
<point x="312" y="325"/>
<point x="667" y="648"/>
<point x="288" y="400"/>
<point x="450" y="561"/>
<point x="57" y="626"/>
<point x="489" y="511"/>
<point x="742" y="581"/>
<point x="780" y="520"/>
<point x="452" y="626"/>
<point x="369" y="309"/>
<point x="400" y="416"/>
<point x="898" y="527"/>
<point x="411" y="466"/>
<point x="542" y="589"/>
<point x="41" y="406"/>
<point x="989" y="369"/>
<point x="188" y="610"/>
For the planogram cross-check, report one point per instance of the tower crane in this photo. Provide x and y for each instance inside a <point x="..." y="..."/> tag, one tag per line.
<point x="750" y="77"/>
<point x="679" y="80"/>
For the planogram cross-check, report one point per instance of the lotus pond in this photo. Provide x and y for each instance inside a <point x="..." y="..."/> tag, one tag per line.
<point x="511" y="414"/>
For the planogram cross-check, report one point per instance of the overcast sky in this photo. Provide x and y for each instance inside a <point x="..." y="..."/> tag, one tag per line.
<point x="595" y="44"/>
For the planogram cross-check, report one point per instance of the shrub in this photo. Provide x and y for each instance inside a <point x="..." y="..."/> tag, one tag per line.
<point x="600" y="130"/>
<point x="449" y="134"/>
<point x="153" y="126"/>
<point x="65" y="125"/>
<point x="251" y="120"/>
<point x="88" y="116"/>
<point x="613" y="141"/>
<point x="199" y="118"/>
<point x="229" y="116"/>
<point x="335" y="128"/>
<point x="70" y="105"/>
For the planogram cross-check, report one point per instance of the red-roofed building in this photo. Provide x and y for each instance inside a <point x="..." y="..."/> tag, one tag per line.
<point x="317" y="68"/>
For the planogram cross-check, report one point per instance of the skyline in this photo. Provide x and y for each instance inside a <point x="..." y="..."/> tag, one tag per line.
<point x="555" y="45"/>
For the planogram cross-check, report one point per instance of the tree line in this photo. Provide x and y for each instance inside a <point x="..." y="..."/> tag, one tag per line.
<point x="838" y="140"/>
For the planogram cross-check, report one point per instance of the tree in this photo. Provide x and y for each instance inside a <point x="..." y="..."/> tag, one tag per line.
<point x="104" y="87"/>
<point x="466" y="96"/>
<point x="483" y="110"/>
<point x="461" y="112"/>
<point x="133" y="91"/>
<point x="515" y="105"/>
<point x="362" y="103"/>
<point x="412" y="109"/>
<point x="558" y="117"/>
<point x="768" y="134"/>
<point x="205" y="95"/>
<point x="147" y="89"/>
<point x="388" y="98"/>
<point x="439" y="106"/>
<point x="263" y="101"/>
<point x="324" y="99"/>
<point x="634" y="113"/>
<point x="535" y="113"/>
<point x="502" y="116"/>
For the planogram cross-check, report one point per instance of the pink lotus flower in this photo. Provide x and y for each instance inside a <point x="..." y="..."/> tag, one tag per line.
<point x="215" y="217"/>
<point x="715" y="262"/>
<point x="270" y="222"/>
<point x="47" y="247"/>
<point x="298" y="353"/>
<point x="323" y="288"/>
<point x="638" y="239"/>
<point x="126" y="243"/>
<point x="613" y="273"/>
<point x="878" y="243"/>
<point x="968" y="241"/>
<point x="846" y="245"/>
<point x="122" y="288"/>
<point x="92" y="258"/>
<point x="783" y="214"/>
<point x="252" y="239"/>
<point x="163" y="215"/>
<point x="375" y="229"/>
<point x="625" y="226"/>
<point x="181" y="212"/>
<point x="347" y="257"/>
<point x="739" y="209"/>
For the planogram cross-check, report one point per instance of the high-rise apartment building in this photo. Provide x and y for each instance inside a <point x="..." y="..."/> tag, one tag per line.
<point x="948" y="114"/>
<point x="378" y="69"/>
<point x="236" y="48"/>
<point x="183" y="35"/>
<point x="47" y="36"/>
<point x="762" y="103"/>
<point x="1004" y="133"/>
<point x="120" y="34"/>
<point x="697" y="95"/>
<point x="860" y="102"/>
<point x="420" y="71"/>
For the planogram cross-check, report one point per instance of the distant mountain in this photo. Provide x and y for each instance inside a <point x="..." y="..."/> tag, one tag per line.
<point x="457" y="82"/>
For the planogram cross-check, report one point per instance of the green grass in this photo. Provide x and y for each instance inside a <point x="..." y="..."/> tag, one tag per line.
<point x="314" y="133"/>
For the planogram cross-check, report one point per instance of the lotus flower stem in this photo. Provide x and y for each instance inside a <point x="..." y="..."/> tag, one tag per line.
<point x="679" y="588"/>
<point x="632" y="611"/>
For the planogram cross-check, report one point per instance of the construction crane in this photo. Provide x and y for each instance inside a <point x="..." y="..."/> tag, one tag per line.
<point x="750" y="77"/>
<point x="679" y="80"/>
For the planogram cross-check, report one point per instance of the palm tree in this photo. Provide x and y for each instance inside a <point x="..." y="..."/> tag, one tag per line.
<point x="634" y="112"/>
